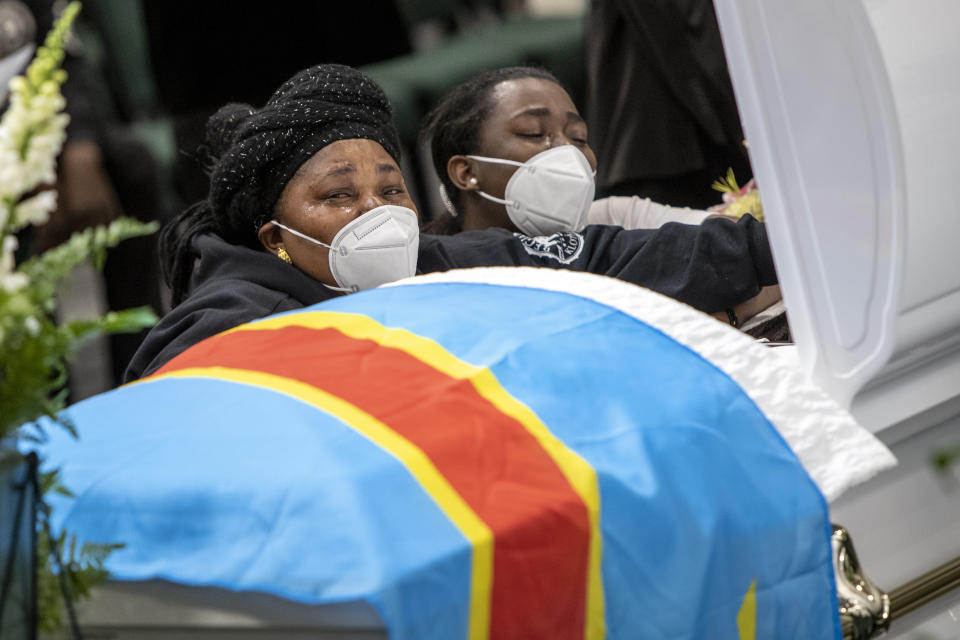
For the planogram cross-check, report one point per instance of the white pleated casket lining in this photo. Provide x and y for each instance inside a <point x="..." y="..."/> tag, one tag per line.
<point x="836" y="451"/>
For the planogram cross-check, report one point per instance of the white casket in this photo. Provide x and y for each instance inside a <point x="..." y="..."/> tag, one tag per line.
<point x="850" y="109"/>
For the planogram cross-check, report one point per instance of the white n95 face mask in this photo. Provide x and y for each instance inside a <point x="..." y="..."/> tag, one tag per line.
<point x="549" y="193"/>
<point x="375" y="248"/>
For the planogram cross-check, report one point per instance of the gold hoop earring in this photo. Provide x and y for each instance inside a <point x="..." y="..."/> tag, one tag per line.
<point x="283" y="255"/>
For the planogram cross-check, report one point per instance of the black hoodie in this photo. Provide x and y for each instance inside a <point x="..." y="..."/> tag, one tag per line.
<point x="231" y="285"/>
<point x="712" y="266"/>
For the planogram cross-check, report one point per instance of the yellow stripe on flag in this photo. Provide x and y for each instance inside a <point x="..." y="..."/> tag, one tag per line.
<point x="417" y="463"/>
<point x="747" y="616"/>
<point x="575" y="469"/>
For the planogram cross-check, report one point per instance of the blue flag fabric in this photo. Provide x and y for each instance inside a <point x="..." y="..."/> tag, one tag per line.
<point x="584" y="458"/>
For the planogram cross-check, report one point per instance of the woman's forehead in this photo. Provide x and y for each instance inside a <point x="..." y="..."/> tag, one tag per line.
<point x="516" y="96"/>
<point x="359" y="154"/>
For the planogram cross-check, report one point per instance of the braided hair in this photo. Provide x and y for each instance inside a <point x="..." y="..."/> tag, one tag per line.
<point x="251" y="155"/>
<point x="453" y="128"/>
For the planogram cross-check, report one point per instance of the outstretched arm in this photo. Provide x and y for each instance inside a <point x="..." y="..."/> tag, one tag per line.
<point x="713" y="266"/>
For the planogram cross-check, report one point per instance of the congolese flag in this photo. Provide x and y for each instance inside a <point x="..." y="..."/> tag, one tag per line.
<point x="497" y="453"/>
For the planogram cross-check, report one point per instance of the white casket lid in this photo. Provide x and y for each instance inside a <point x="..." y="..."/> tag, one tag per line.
<point x="850" y="109"/>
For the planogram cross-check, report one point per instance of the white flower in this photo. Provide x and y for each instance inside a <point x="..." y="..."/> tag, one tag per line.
<point x="13" y="282"/>
<point x="32" y="325"/>
<point x="32" y="133"/>
<point x="7" y="247"/>
<point x="10" y="280"/>
<point x="36" y="209"/>
<point x="13" y="177"/>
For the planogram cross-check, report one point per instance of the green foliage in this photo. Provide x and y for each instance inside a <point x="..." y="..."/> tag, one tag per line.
<point x="82" y="568"/>
<point x="33" y="375"/>
<point x="945" y="458"/>
<point x="49" y="268"/>
<point x="34" y="348"/>
<point x="34" y="351"/>
<point x="60" y="565"/>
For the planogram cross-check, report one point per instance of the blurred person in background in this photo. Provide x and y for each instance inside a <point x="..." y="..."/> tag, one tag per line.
<point x="205" y="54"/>
<point x="660" y="102"/>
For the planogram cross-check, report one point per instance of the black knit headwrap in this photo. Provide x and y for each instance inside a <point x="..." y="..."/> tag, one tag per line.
<point x="253" y="153"/>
